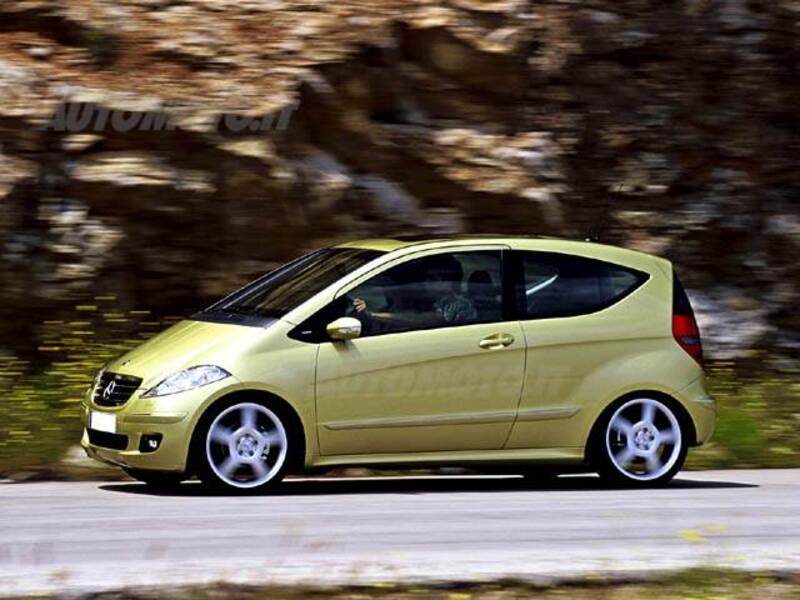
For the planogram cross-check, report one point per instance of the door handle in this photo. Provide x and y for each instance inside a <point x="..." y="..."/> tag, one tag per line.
<point x="496" y="341"/>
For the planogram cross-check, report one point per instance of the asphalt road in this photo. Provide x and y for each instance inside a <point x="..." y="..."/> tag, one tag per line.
<point x="93" y="536"/>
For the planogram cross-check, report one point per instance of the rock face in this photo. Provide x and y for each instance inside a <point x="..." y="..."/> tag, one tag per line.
<point x="166" y="151"/>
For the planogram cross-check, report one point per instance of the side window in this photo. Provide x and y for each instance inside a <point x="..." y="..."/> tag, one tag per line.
<point x="439" y="290"/>
<point x="561" y="285"/>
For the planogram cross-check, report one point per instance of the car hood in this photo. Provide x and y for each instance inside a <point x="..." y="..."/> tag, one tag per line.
<point x="186" y="344"/>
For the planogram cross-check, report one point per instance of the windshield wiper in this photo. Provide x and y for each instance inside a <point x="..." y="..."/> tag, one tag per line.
<point x="238" y="310"/>
<point x="251" y="310"/>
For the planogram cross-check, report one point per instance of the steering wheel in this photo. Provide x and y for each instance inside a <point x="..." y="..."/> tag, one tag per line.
<point x="349" y="309"/>
<point x="363" y="317"/>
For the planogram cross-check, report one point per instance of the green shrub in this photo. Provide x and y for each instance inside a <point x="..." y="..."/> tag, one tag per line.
<point x="40" y="406"/>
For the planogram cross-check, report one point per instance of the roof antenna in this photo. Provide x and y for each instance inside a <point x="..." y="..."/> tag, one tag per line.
<point x="593" y="235"/>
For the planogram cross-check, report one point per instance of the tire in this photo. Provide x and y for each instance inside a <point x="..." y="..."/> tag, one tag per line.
<point x="639" y="442"/>
<point x="243" y="447"/>
<point x="161" y="480"/>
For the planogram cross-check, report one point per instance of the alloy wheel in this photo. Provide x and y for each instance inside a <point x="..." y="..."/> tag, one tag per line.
<point x="643" y="439"/>
<point x="246" y="445"/>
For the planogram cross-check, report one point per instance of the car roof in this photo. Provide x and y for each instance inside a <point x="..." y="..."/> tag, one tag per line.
<point x="396" y="243"/>
<point x="585" y="248"/>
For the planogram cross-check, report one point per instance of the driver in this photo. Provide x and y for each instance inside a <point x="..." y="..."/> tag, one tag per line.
<point x="447" y="305"/>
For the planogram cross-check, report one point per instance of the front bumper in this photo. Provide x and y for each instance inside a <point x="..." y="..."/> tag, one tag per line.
<point x="170" y="456"/>
<point x="173" y="417"/>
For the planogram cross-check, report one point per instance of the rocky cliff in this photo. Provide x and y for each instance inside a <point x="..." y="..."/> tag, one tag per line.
<point x="165" y="151"/>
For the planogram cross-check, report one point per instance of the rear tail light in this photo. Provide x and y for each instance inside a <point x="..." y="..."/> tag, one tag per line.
<point x="687" y="334"/>
<point x="684" y="325"/>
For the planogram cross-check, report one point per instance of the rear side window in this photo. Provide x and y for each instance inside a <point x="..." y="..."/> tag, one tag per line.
<point x="562" y="285"/>
<point x="680" y="301"/>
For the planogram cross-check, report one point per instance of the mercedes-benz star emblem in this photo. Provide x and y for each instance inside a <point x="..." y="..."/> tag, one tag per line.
<point x="109" y="389"/>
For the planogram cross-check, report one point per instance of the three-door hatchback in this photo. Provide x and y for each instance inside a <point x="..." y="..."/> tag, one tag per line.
<point x="484" y="352"/>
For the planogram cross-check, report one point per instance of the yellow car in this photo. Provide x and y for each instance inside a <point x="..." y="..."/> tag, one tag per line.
<point x="480" y="351"/>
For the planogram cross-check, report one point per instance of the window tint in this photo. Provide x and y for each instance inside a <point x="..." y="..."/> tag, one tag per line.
<point x="441" y="290"/>
<point x="680" y="301"/>
<point x="561" y="285"/>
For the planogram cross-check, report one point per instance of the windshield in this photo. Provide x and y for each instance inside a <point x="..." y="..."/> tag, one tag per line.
<point x="285" y="288"/>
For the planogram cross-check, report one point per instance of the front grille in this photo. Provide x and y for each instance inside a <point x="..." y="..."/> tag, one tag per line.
<point x="115" y="441"/>
<point x="114" y="389"/>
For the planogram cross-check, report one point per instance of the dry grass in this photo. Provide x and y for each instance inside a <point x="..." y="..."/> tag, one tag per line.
<point x="694" y="584"/>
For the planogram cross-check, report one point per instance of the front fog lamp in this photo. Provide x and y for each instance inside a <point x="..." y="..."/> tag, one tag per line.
<point x="186" y="380"/>
<point x="150" y="442"/>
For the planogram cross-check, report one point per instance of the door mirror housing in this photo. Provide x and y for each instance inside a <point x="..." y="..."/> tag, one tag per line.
<point x="345" y="328"/>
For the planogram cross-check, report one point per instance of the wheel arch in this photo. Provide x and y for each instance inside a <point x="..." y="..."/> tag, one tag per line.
<point x="682" y="414"/>
<point x="297" y="431"/>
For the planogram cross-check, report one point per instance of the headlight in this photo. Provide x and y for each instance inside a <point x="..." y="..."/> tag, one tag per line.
<point x="187" y="379"/>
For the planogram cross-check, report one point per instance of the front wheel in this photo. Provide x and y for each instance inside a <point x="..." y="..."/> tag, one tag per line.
<point x="642" y="443"/>
<point x="245" y="448"/>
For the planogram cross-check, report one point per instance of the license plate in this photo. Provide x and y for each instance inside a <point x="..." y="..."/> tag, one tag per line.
<point x="100" y="421"/>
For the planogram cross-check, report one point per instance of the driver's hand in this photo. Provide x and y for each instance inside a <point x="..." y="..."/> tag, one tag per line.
<point x="360" y="305"/>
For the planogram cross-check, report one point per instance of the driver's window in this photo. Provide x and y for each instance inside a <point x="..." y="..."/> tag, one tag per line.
<point x="440" y="290"/>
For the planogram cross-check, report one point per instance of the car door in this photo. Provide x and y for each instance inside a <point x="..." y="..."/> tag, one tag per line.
<point x="438" y="366"/>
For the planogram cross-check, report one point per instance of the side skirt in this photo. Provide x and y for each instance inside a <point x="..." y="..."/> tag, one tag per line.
<point x="566" y="456"/>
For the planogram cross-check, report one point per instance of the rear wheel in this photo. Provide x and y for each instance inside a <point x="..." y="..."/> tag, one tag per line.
<point x="156" y="479"/>
<point x="245" y="448"/>
<point x="640" y="443"/>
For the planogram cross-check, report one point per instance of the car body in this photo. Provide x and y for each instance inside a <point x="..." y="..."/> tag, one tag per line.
<point x="351" y="358"/>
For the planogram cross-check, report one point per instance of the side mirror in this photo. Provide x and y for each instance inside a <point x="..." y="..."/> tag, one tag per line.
<point x="345" y="328"/>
